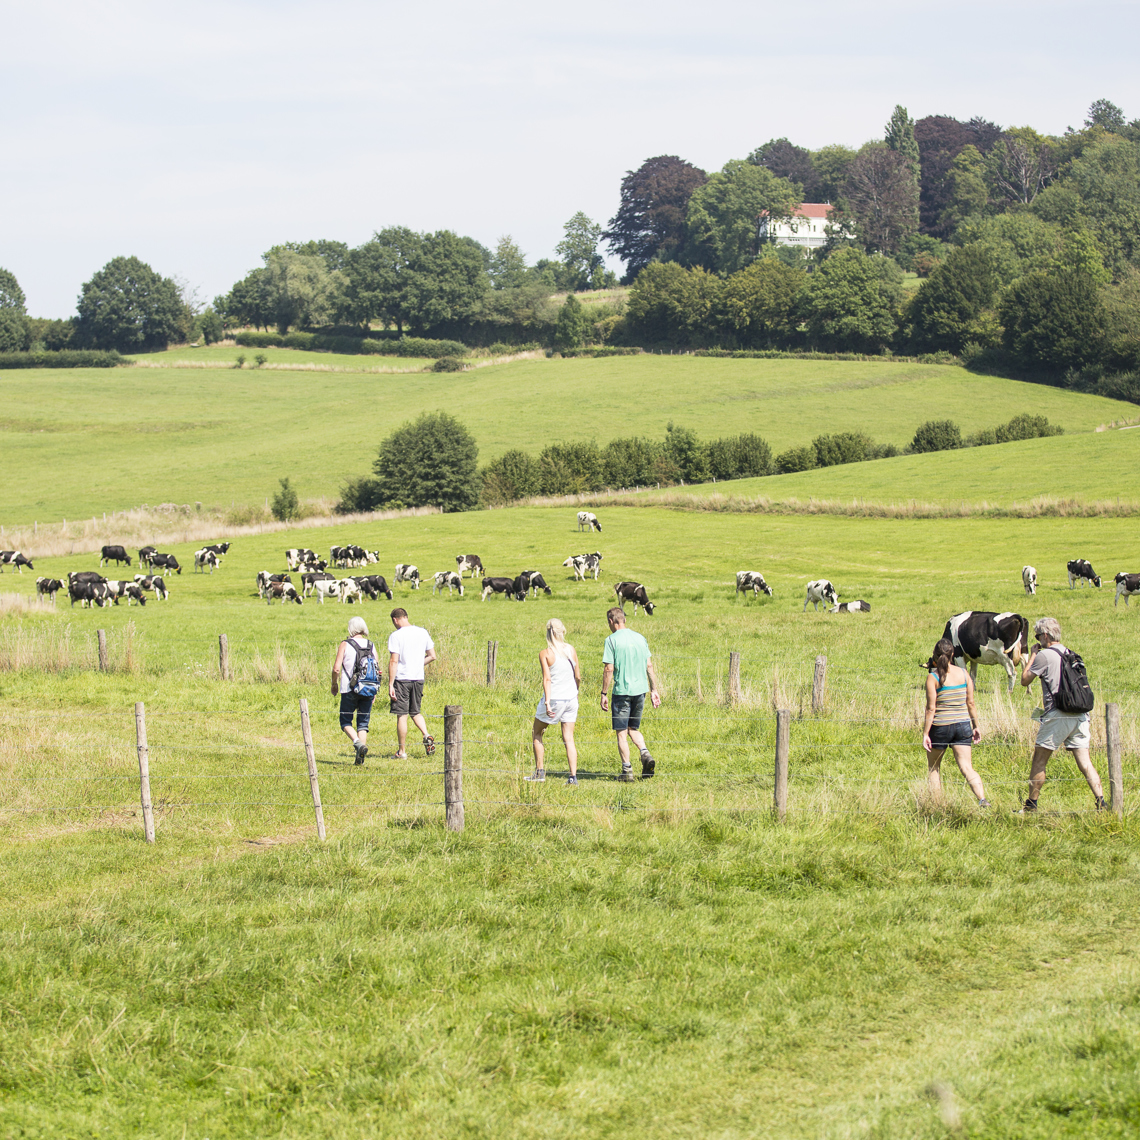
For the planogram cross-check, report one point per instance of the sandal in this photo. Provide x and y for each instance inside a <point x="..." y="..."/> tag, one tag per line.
<point x="429" y="745"/>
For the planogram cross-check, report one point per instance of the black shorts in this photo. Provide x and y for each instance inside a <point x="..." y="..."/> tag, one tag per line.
<point x="625" y="712"/>
<point x="409" y="694"/>
<point x="354" y="703"/>
<point x="944" y="735"/>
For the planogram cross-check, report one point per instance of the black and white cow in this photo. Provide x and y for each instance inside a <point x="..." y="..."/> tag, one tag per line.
<point x="465" y="562"/>
<point x="821" y="590"/>
<point x="153" y="582"/>
<point x="583" y="564"/>
<point x="144" y="554"/>
<point x="349" y="591"/>
<point x="286" y="591"/>
<point x="117" y="588"/>
<point x="982" y="637"/>
<point x="532" y="580"/>
<point x="114" y="554"/>
<point x="334" y="555"/>
<point x="297" y="556"/>
<point x="587" y="520"/>
<point x="52" y="586"/>
<point x="129" y="590"/>
<point x="89" y="593"/>
<point x="310" y="579"/>
<point x="1082" y="569"/>
<point x="203" y="558"/>
<point x="375" y="582"/>
<point x="511" y="587"/>
<point x="406" y="572"/>
<point x="857" y="607"/>
<point x="1029" y="579"/>
<point x="1126" y="586"/>
<point x="634" y="592"/>
<point x="752" y="580"/>
<point x="265" y="580"/>
<point x="165" y="563"/>
<point x="353" y="556"/>
<point x="14" y="558"/>
<point x="448" y="578"/>
<point x="220" y="549"/>
<point x="367" y="587"/>
<point x="84" y="576"/>
<point x="324" y="588"/>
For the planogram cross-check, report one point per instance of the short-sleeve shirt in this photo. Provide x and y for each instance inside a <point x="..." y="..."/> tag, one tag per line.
<point x="348" y="663"/>
<point x="628" y="652"/>
<point x="410" y="642"/>
<point x="1047" y="666"/>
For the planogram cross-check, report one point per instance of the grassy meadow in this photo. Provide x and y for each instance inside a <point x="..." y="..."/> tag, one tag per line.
<point x="662" y="958"/>
<point x="221" y="436"/>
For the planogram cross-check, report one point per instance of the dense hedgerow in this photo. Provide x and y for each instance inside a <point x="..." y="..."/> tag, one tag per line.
<point x="350" y="345"/>
<point x="69" y="358"/>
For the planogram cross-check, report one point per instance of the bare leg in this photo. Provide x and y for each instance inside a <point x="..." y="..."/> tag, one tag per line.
<point x="571" y="747"/>
<point x="537" y="745"/>
<point x="350" y="732"/>
<point x="934" y="772"/>
<point x="962" y="753"/>
<point x="402" y="736"/>
<point x="623" y="746"/>
<point x="420" y="723"/>
<point x="1084" y="763"/>
<point x="637" y="738"/>
<point x="1037" y="770"/>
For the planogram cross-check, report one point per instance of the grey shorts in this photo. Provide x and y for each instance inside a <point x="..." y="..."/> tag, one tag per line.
<point x="1062" y="730"/>
<point x="409" y="694"/>
<point x="625" y="712"/>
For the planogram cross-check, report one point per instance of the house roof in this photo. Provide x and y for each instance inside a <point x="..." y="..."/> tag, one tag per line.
<point x="809" y="210"/>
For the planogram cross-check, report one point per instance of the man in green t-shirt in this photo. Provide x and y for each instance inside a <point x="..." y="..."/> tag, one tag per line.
<point x="627" y="664"/>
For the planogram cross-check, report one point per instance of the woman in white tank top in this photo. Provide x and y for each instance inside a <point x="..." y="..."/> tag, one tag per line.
<point x="561" y="676"/>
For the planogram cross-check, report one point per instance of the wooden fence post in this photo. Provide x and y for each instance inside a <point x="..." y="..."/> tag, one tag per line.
<point x="453" y="766"/>
<point x="492" y="660"/>
<point x="101" y="634"/>
<point x="818" y="684"/>
<point x="224" y="656"/>
<point x="733" y="677"/>
<point x="144" y="771"/>
<point x="1115" y="767"/>
<point x="780" y="796"/>
<point x="307" y="736"/>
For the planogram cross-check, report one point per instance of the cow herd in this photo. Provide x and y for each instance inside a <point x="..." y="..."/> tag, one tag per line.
<point x="1081" y="570"/>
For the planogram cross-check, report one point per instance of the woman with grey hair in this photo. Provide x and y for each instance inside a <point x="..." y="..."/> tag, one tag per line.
<point x="561" y="677"/>
<point x="351" y="655"/>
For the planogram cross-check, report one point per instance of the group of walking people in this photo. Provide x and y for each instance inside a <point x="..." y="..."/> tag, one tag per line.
<point x="952" y="719"/>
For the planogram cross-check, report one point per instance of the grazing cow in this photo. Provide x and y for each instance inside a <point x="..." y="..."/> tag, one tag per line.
<point x="859" y="607"/>
<point x="52" y="586"/>
<point x="406" y="572"/>
<point x="587" y="520"/>
<point x="532" y="580"/>
<point x="986" y="638"/>
<point x="346" y="556"/>
<point x="310" y="579"/>
<point x="1029" y="579"/>
<point x="89" y="593"/>
<point x="633" y="592"/>
<point x="582" y="564"/>
<point x="325" y="588"/>
<point x="85" y="576"/>
<point x="265" y="580"/>
<point x="133" y="593"/>
<point x="334" y="555"/>
<point x="14" y="558"/>
<point x="349" y="591"/>
<point x="470" y="562"/>
<point x="371" y="557"/>
<point x="117" y="589"/>
<point x="447" y="578"/>
<point x="114" y="554"/>
<point x="511" y="587"/>
<point x="1126" y="586"/>
<point x="296" y="557"/>
<point x="286" y="591"/>
<point x="821" y="590"/>
<point x="376" y="582"/>
<point x="752" y="580"/>
<point x="165" y="563"/>
<point x="203" y="558"/>
<point x="364" y="581"/>
<point x="1082" y="569"/>
<point x="144" y="554"/>
<point x="219" y="549"/>
<point x="153" y="582"/>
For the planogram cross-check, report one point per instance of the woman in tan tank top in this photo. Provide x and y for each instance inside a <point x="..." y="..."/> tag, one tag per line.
<point x="951" y="720"/>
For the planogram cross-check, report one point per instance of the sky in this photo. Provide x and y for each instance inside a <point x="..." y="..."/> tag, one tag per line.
<point x="197" y="135"/>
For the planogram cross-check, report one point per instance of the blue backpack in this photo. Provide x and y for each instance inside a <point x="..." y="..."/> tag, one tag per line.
<point x="365" y="673"/>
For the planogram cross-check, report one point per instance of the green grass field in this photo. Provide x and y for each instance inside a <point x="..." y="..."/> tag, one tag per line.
<point x="655" y="959"/>
<point x="222" y="436"/>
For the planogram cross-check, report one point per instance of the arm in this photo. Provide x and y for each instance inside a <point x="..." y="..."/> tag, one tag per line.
<point x="429" y="655"/>
<point x="1028" y="677"/>
<point x="970" y="706"/>
<point x="393" y="665"/>
<point x="542" y="660"/>
<point x="607" y="680"/>
<point x="336" y="669"/>
<point x="654" y="695"/>
<point x="577" y="668"/>
<point x="931" y="702"/>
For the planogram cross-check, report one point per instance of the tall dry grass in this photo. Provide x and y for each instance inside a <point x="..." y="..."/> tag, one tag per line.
<point x="53" y="648"/>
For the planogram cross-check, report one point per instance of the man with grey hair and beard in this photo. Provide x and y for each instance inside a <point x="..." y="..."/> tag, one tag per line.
<point x="1058" y="728"/>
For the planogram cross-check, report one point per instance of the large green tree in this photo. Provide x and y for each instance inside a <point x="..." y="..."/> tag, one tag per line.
<point x="786" y="160"/>
<point x="1054" y="319"/>
<point x="759" y="305"/>
<point x="882" y="193"/>
<point x="851" y="302"/>
<point x="508" y="265"/>
<point x="428" y="462"/>
<point x="299" y="287"/>
<point x="583" y="267"/>
<point x="126" y="305"/>
<point x="13" y="317"/>
<point x="956" y="304"/>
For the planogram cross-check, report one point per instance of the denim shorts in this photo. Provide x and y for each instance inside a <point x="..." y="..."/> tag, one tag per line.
<point x="944" y="735"/>
<point x="625" y="711"/>
<point x="354" y="703"/>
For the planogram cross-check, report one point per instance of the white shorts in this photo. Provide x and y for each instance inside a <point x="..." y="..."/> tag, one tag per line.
<point x="564" y="712"/>
<point x="1062" y="730"/>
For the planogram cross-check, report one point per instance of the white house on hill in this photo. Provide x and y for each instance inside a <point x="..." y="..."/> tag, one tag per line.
<point x="804" y="229"/>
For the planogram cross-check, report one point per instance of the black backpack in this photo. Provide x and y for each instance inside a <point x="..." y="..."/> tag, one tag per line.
<point x="1074" y="694"/>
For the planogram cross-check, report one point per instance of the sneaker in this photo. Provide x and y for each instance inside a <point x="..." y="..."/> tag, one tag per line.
<point x="538" y="776"/>
<point x="429" y="745"/>
<point x="626" y="776"/>
<point x="983" y="803"/>
<point x="648" y="764"/>
<point x="1101" y="805"/>
<point x="361" y="752"/>
<point x="1029" y="806"/>
<point x="573" y="781"/>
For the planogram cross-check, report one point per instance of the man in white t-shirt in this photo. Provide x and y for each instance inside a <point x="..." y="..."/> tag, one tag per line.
<point x="410" y="648"/>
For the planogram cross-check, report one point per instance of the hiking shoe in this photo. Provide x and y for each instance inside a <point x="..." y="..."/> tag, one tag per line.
<point x="983" y="803"/>
<point x="361" y="752"/>
<point x="573" y="781"/>
<point x="626" y="776"/>
<point x="1029" y="806"/>
<point x="429" y="745"/>
<point x="648" y="764"/>
<point x="538" y="776"/>
<point x="1100" y="804"/>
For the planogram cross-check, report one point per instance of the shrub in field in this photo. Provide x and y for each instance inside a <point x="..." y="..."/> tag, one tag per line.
<point x="844" y="447"/>
<point x="1027" y="426"/>
<point x="937" y="435"/>
<point x="514" y="475"/>
<point x="448" y="364"/>
<point x="285" y="505"/>
<point x="430" y="461"/>
<point x="357" y="495"/>
<point x="795" y="459"/>
<point x="570" y="331"/>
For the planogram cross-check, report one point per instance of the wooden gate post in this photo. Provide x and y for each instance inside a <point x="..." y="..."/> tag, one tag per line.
<point x="780" y="796"/>
<point x="1115" y="767"/>
<point x="818" y="684"/>
<point x="224" y="656"/>
<point x="314" y="786"/>
<point x="144" y="772"/>
<point x="733" y="677"/>
<point x="453" y="766"/>
<point x="492" y="661"/>
<point x="101" y="634"/>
